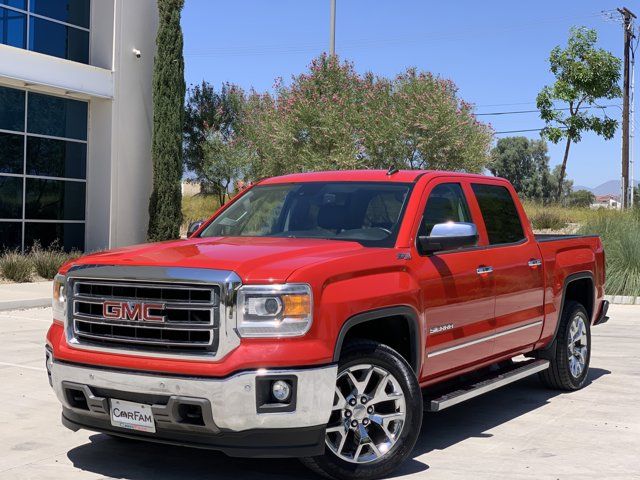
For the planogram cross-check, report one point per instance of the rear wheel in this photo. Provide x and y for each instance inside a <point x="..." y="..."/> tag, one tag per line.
<point x="570" y="366"/>
<point x="376" y="415"/>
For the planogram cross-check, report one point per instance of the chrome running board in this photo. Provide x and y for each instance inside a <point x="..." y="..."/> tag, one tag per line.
<point x="484" y="386"/>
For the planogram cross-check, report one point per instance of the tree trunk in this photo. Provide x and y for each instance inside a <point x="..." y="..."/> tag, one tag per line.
<point x="563" y="169"/>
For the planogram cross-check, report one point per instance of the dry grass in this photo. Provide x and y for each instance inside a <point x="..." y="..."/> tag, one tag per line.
<point x="38" y="264"/>
<point x="198" y="207"/>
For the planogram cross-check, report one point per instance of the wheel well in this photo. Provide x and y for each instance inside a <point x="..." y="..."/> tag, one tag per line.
<point x="395" y="331"/>
<point x="581" y="291"/>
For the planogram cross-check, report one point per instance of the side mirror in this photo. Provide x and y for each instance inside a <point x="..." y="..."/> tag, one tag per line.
<point x="449" y="236"/>
<point x="193" y="227"/>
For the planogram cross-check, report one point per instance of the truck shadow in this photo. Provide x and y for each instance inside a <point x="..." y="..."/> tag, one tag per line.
<point x="140" y="461"/>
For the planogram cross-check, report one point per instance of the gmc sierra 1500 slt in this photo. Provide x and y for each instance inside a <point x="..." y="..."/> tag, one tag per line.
<point x="318" y="315"/>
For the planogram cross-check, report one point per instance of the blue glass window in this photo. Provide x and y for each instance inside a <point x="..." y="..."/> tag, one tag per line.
<point x="57" y="117"/>
<point x="56" y="158"/>
<point x="54" y="200"/>
<point x="10" y="197"/>
<point x="11" y="235"/>
<point x="15" y="3"/>
<point x="13" y="28"/>
<point x="11" y="153"/>
<point x="69" y="236"/>
<point x="75" y="12"/>
<point x="58" y="40"/>
<point x="11" y="109"/>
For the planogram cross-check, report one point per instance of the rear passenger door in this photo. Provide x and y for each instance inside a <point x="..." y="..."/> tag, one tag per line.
<point x="517" y="269"/>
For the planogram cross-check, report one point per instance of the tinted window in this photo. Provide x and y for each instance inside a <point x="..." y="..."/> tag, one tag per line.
<point x="446" y="203"/>
<point x="10" y="197"/>
<point x="56" y="158"/>
<point x="499" y="213"/>
<point x="369" y="213"/>
<point x="11" y="235"/>
<point x="75" y="12"/>
<point x="11" y="109"/>
<point x="54" y="199"/>
<point x="58" y="117"/>
<point x="15" y="3"/>
<point x="70" y="236"/>
<point x="58" y="40"/>
<point x="11" y="153"/>
<point x="13" y="28"/>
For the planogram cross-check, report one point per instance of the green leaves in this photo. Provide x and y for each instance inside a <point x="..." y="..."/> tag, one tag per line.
<point x="334" y="118"/>
<point x="584" y="74"/>
<point x="165" y="213"/>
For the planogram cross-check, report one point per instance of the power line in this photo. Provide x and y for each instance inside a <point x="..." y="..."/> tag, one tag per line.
<point x="518" y="131"/>
<point x="515" y="112"/>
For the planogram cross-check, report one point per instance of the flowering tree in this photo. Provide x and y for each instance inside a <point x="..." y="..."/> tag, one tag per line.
<point x="334" y="118"/>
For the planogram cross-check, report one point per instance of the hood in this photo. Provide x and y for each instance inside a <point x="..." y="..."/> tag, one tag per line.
<point x="254" y="259"/>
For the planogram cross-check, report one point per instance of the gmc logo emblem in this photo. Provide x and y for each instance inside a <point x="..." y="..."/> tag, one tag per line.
<point x="132" y="311"/>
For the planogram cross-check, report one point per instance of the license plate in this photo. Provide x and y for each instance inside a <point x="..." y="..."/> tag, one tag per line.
<point x="133" y="416"/>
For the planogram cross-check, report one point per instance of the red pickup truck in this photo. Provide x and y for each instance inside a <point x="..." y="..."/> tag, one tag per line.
<point x="318" y="315"/>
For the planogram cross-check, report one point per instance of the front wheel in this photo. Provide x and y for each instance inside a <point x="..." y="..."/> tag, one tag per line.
<point x="376" y="415"/>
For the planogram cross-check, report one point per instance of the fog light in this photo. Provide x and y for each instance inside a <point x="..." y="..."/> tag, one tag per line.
<point x="281" y="390"/>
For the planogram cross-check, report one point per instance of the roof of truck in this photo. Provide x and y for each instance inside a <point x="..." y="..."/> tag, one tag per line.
<point x="401" y="176"/>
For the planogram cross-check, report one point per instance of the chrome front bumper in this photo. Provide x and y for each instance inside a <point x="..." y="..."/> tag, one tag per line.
<point x="232" y="401"/>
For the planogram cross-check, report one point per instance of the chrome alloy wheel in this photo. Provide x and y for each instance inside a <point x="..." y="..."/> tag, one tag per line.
<point x="578" y="345"/>
<point x="368" y="414"/>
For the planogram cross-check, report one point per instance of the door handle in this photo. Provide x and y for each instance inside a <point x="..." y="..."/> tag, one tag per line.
<point x="535" y="262"/>
<point x="484" y="270"/>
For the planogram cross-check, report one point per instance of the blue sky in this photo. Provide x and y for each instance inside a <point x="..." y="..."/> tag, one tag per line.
<point x="495" y="51"/>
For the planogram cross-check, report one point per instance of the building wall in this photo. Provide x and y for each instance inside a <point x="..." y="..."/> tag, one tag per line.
<point x="117" y="86"/>
<point x="131" y="170"/>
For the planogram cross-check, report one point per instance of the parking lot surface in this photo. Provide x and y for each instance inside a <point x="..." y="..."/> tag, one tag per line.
<point x="519" y="431"/>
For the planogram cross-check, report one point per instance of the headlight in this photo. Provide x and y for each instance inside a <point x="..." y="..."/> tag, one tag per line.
<point x="59" y="300"/>
<point x="274" y="310"/>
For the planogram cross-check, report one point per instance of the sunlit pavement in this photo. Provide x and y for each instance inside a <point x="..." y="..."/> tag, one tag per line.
<point x="520" y="431"/>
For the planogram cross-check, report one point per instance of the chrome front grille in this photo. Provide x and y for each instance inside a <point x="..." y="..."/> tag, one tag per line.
<point x="191" y="316"/>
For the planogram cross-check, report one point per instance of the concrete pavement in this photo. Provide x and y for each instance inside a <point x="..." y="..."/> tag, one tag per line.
<point x="25" y="295"/>
<point x="522" y="431"/>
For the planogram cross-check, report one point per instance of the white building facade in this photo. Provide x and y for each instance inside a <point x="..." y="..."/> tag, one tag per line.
<point x="75" y="122"/>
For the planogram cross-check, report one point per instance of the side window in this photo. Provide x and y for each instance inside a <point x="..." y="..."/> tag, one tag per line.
<point x="446" y="203"/>
<point x="499" y="213"/>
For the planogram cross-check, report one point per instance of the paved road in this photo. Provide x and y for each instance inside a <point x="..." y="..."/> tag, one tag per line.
<point x="521" y="431"/>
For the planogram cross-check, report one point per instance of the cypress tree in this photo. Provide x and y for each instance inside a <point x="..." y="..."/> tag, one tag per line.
<point x="165" y="214"/>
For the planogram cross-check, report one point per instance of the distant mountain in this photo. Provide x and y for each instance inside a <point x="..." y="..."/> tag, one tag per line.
<point x="612" y="187"/>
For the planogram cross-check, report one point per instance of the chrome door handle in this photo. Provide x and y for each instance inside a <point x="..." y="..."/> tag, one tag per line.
<point x="535" y="262"/>
<point x="484" y="270"/>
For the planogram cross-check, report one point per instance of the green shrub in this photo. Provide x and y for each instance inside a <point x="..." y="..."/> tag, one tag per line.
<point x="548" y="220"/>
<point x="46" y="262"/>
<point x="16" y="267"/>
<point x="620" y="234"/>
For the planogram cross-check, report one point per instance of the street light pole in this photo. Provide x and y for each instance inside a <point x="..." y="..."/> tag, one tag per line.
<point x="332" y="32"/>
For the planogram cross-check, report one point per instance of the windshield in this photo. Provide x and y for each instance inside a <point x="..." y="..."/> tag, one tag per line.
<point x="365" y="212"/>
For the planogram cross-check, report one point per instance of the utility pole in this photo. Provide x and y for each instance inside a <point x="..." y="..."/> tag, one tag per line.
<point x="332" y="31"/>
<point x="627" y="190"/>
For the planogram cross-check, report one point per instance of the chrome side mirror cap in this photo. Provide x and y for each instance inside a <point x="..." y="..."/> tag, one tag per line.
<point x="448" y="236"/>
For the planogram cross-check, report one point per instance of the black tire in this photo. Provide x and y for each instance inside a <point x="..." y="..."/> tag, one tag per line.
<point x="559" y="376"/>
<point x="331" y="465"/>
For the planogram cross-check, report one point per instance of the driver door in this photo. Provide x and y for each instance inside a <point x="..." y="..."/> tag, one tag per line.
<point x="458" y="301"/>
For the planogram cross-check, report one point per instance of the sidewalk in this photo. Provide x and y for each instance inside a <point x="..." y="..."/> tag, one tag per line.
<point x="25" y="295"/>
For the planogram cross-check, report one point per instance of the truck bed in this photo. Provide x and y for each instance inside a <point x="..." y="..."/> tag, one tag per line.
<point x="550" y="237"/>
